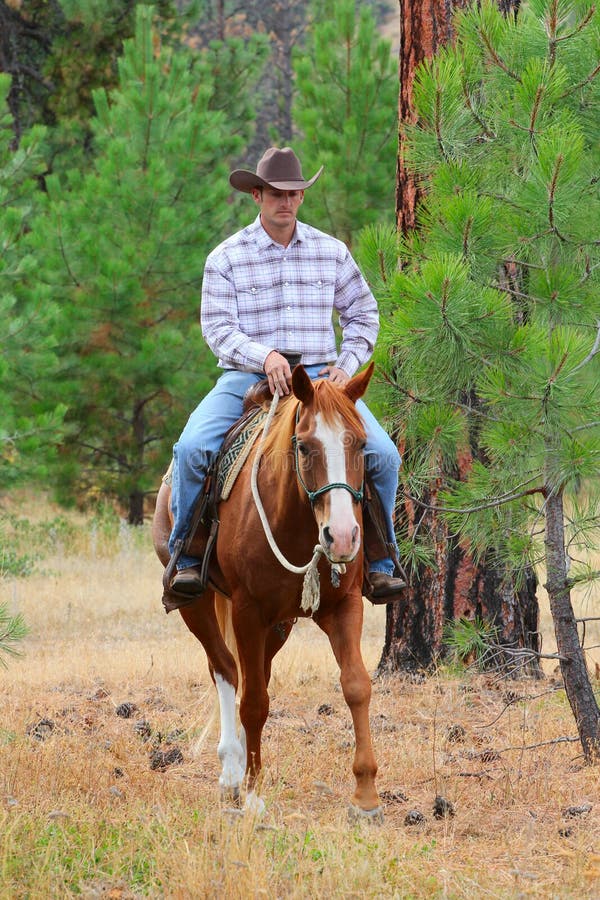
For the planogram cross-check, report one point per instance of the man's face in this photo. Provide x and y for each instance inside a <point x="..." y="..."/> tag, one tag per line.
<point x="278" y="209"/>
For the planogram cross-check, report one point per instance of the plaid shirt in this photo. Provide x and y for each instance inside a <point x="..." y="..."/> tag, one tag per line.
<point x="258" y="296"/>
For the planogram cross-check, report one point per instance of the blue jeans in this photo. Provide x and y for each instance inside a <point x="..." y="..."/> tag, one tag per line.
<point x="203" y="435"/>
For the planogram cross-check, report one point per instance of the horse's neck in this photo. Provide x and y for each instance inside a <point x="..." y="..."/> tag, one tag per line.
<point x="285" y="506"/>
<point x="286" y="502"/>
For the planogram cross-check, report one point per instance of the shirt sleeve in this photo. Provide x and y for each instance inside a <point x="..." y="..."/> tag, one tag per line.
<point x="220" y="324"/>
<point x="358" y="313"/>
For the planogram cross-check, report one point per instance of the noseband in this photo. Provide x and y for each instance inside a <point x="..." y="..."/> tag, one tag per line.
<point x="312" y="495"/>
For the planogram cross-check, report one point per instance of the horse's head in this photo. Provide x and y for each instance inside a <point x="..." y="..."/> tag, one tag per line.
<point x="329" y="442"/>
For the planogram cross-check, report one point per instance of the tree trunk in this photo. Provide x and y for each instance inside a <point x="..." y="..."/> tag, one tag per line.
<point x="572" y="658"/>
<point x="424" y="28"/>
<point x="136" y="495"/>
<point x="136" y="508"/>
<point x="457" y="587"/>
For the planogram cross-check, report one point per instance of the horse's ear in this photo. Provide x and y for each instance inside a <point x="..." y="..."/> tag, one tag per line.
<point x="302" y="386"/>
<point x="355" y="388"/>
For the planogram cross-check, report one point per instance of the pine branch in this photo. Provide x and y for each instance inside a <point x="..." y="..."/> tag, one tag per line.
<point x="21" y="69"/>
<point x="64" y="254"/>
<point x="595" y="349"/>
<point x="584" y="22"/>
<point x="589" y="272"/>
<point x="487" y="133"/>
<point x="12" y="630"/>
<point x="513" y="700"/>
<point x="437" y="122"/>
<point x="581" y="84"/>
<point x="496" y="58"/>
<point x="491" y="504"/>
<point x="559" y="161"/>
<point x="558" y="740"/>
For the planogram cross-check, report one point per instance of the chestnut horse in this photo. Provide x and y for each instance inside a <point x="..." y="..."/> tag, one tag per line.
<point x="310" y="484"/>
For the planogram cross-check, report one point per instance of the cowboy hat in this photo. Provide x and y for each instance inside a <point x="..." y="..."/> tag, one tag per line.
<point x="279" y="169"/>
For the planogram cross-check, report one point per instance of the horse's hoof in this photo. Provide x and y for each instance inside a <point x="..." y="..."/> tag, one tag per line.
<point x="254" y="804"/>
<point x="230" y="794"/>
<point x="372" y="816"/>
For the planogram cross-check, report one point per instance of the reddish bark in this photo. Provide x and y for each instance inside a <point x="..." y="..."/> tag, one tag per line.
<point x="457" y="587"/>
<point x="424" y="28"/>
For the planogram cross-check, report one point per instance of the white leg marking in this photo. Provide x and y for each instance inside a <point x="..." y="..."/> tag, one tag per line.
<point x="254" y="804"/>
<point x="230" y="750"/>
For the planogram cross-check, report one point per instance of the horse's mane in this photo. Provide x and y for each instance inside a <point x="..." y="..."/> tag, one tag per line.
<point x="329" y="400"/>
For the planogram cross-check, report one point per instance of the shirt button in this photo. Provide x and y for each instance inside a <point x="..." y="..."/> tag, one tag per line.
<point x="252" y="290"/>
<point x="286" y="283"/>
<point x="289" y="307"/>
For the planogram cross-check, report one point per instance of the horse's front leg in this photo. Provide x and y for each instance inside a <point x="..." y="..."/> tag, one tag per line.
<point x="202" y="621"/>
<point x="343" y="627"/>
<point x="251" y="639"/>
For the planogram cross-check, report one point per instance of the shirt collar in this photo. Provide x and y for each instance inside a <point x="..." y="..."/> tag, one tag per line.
<point x="263" y="240"/>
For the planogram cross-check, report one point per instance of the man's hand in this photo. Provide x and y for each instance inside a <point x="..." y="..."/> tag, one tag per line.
<point x="336" y="376"/>
<point x="278" y="372"/>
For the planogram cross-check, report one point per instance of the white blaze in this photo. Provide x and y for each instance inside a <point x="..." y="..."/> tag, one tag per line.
<point x="342" y="523"/>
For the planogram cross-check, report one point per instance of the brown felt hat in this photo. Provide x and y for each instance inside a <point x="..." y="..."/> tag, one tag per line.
<point x="279" y="169"/>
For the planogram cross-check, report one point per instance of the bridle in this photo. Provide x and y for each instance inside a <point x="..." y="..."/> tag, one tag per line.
<point x="357" y="495"/>
<point x="310" y="587"/>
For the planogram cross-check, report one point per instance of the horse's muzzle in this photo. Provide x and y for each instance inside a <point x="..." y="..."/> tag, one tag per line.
<point x="340" y="544"/>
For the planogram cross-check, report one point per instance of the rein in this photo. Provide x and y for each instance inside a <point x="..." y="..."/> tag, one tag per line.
<point x="310" y="588"/>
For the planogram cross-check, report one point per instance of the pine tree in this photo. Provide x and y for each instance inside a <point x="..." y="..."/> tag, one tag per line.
<point x="456" y="582"/>
<point x="282" y="23"/>
<point x="30" y="426"/>
<point x="124" y="249"/>
<point x="83" y="59"/>
<point x="59" y="52"/>
<point x="346" y="114"/>
<point x="494" y="325"/>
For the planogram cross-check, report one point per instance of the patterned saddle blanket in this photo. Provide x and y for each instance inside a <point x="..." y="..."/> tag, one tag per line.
<point x="238" y="443"/>
<point x="235" y="453"/>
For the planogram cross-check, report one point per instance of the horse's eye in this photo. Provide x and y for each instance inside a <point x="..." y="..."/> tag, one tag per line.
<point x="302" y="448"/>
<point x="362" y="445"/>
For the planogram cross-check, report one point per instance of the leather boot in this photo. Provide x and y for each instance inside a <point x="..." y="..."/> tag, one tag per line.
<point x="188" y="581"/>
<point x="378" y="587"/>
<point x="384" y="588"/>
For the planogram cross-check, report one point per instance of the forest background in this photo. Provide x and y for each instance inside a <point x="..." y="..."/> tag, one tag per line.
<point x="120" y="126"/>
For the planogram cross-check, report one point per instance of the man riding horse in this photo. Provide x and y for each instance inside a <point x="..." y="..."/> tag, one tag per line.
<point x="271" y="286"/>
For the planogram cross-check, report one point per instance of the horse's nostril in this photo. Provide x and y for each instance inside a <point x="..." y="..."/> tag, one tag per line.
<point x="327" y="536"/>
<point x="355" y="533"/>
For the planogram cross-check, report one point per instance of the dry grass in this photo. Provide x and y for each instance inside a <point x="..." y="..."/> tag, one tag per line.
<point x="83" y="814"/>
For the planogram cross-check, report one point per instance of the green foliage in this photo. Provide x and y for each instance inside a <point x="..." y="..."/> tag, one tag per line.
<point x="234" y="65"/>
<point x="12" y="631"/>
<point x="345" y="110"/>
<point x="491" y="337"/>
<point x="468" y="640"/>
<point x="84" y="58"/>
<point x="15" y="564"/>
<point x="29" y="424"/>
<point x="59" y="52"/>
<point x="23" y="543"/>
<point x="124" y="248"/>
<point x="377" y="252"/>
